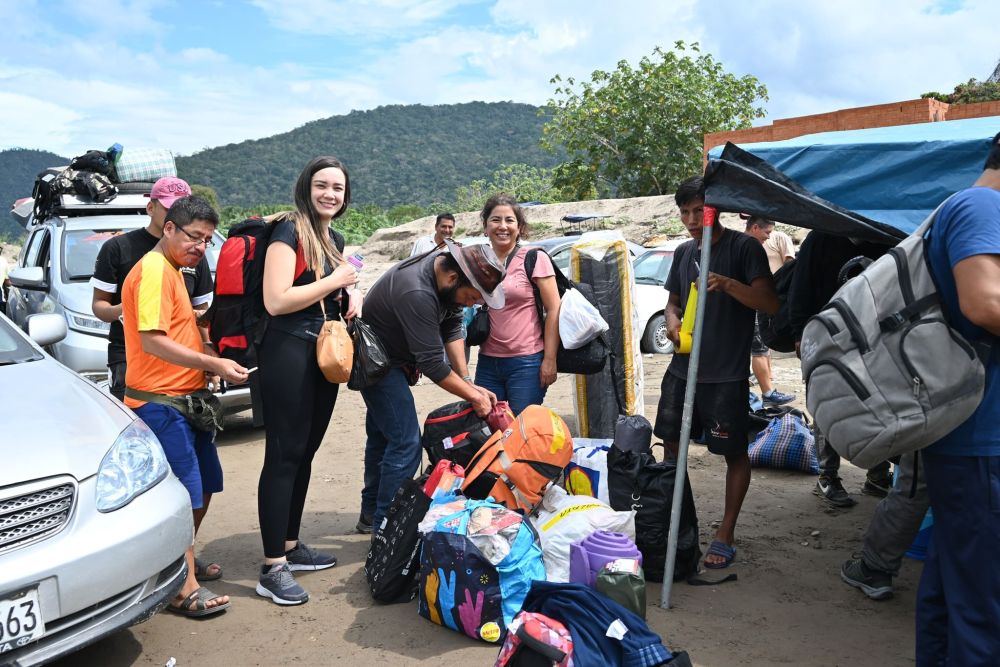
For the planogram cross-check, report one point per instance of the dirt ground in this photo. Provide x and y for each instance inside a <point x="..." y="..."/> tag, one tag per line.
<point x="788" y="606"/>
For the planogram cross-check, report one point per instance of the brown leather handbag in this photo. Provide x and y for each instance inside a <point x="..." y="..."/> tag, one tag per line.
<point x="334" y="347"/>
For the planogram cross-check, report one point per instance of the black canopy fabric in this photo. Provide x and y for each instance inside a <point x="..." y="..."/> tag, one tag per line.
<point x="740" y="182"/>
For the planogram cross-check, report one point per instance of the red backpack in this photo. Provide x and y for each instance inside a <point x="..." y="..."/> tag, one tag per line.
<point x="237" y="317"/>
<point x="534" y="640"/>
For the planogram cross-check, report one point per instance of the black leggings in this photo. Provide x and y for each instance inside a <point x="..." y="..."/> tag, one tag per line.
<point x="298" y="403"/>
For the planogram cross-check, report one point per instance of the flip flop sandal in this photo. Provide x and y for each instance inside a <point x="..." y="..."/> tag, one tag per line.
<point x="718" y="548"/>
<point x="194" y="605"/>
<point x="201" y="570"/>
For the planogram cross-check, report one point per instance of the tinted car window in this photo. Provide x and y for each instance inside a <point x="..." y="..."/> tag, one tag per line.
<point x="652" y="268"/>
<point x="80" y="248"/>
<point x="35" y="244"/>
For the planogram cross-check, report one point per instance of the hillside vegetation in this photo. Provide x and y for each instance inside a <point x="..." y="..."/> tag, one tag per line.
<point x="18" y="168"/>
<point x="411" y="154"/>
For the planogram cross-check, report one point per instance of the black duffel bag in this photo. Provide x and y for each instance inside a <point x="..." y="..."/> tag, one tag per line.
<point x="394" y="557"/>
<point x="455" y="433"/>
<point x="637" y="481"/>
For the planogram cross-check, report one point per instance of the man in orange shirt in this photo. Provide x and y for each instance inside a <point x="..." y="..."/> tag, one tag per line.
<point x="166" y="369"/>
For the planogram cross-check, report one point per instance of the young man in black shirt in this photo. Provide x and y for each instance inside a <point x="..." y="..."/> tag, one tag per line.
<point x="739" y="284"/>
<point x="117" y="257"/>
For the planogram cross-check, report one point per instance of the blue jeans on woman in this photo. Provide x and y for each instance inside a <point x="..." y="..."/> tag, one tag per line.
<point x="392" y="452"/>
<point x="513" y="379"/>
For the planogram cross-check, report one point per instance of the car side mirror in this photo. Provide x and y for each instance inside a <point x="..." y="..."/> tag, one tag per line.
<point x="28" y="277"/>
<point x="46" y="329"/>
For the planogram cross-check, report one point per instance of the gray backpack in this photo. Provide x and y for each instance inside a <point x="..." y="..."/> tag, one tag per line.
<point x="885" y="373"/>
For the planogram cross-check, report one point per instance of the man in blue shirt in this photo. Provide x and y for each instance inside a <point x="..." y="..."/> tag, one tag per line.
<point x="958" y="604"/>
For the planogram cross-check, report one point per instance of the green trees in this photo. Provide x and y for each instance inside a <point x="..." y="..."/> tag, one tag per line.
<point x="638" y="131"/>
<point x="971" y="91"/>
<point x="522" y="181"/>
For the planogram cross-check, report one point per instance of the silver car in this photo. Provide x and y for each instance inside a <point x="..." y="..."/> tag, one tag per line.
<point x="93" y="525"/>
<point x="53" y="272"/>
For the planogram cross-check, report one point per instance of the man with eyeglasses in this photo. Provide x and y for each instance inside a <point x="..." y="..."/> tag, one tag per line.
<point x="117" y="257"/>
<point x="165" y="378"/>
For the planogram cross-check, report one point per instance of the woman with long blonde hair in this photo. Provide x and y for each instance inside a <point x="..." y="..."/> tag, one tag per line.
<point x="304" y="267"/>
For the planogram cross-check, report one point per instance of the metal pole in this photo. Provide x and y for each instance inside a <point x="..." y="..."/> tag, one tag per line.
<point x="708" y="226"/>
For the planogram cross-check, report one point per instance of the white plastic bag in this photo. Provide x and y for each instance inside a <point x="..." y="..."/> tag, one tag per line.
<point x="564" y="519"/>
<point x="579" y="321"/>
<point x="587" y="472"/>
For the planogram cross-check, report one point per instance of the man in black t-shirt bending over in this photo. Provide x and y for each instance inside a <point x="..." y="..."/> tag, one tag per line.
<point x="117" y="257"/>
<point x="739" y="284"/>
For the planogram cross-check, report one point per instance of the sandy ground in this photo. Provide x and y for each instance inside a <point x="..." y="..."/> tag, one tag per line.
<point x="788" y="607"/>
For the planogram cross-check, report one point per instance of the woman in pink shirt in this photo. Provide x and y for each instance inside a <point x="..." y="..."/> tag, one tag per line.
<point x="518" y="360"/>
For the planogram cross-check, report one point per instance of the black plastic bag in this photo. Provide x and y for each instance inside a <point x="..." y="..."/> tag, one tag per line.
<point x="636" y="480"/>
<point x="394" y="557"/>
<point x="371" y="361"/>
<point x="586" y="360"/>
<point x="633" y="433"/>
<point x="479" y="328"/>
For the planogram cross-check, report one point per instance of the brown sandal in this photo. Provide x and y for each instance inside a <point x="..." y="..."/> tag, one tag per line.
<point x="195" y="605"/>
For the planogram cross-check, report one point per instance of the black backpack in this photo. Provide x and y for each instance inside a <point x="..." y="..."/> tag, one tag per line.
<point x="100" y="162"/>
<point x="394" y="557"/>
<point x="588" y="359"/>
<point x="454" y="432"/>
<point x="776" y="330"/>
<point x="636" y="480"/>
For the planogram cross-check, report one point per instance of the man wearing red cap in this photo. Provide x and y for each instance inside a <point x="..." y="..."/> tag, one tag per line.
<point x="117" y="257"/>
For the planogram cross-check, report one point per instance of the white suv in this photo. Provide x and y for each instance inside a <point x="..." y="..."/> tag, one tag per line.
<point x="53" y="274"/>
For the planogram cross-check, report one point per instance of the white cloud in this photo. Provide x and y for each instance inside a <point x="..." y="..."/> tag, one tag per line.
<point x="69" y="92"/>
<point x="354" y="17"/>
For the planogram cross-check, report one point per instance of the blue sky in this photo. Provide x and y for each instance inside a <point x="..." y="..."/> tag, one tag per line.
<point x="185" y="74"/>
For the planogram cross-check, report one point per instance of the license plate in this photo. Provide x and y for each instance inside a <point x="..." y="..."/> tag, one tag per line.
<point x="20" y="620"/>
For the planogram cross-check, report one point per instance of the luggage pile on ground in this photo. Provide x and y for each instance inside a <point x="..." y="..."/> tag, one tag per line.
<point x="514" y="536"/>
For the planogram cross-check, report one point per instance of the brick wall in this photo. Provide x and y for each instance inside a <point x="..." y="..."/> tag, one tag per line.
<point x="879" y="115"/>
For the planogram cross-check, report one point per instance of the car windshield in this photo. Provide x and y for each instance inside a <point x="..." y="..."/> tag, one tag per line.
<point x="561" y="259"/>
<point x="13" y="348"/>
<point x="80" y="248"/>
<point x="652" y="268"/>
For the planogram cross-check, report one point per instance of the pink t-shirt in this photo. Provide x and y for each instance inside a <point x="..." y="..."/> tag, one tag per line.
<point x="515" y="330"/>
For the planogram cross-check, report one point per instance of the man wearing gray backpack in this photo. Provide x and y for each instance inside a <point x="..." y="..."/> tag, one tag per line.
<point x="958" y="603"/>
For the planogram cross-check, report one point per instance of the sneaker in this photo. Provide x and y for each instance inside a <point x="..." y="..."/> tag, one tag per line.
<point x="775" y="397"/>
<point x="833" y="491"/>
<point x="364" y="524"/>
<point x="874" y="583"/>
<point x="878" y="485"/>
<point x="304" y="557"/>
<point x="276" y="582"/>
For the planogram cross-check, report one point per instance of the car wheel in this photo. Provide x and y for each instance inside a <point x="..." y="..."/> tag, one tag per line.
<point x="655" y="338"/>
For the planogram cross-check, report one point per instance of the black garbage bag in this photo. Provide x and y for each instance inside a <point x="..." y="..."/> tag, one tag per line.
<point x="633" y="433"/>
<point x="371" y="361"/>
<point x="636" y="480"/>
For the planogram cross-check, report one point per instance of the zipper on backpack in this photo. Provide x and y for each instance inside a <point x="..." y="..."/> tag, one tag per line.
<point x="903" y="273"/>
<point x="853" y="325"/>
<point x="831" y="327"/>
<point x="917" y="380"/>
<point x="848" y="376"/>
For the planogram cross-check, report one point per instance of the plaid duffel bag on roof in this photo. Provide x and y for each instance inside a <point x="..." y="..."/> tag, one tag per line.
<point x="144" y="164"/>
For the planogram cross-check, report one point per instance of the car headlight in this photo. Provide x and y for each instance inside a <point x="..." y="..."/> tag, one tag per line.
<point x="133" y="465"/>
<point x="87" y="324"/>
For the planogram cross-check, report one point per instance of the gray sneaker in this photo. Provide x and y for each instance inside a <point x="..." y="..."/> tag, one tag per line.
<point x="276" y="582"/>
<point x="874" y="583"/>
<point x="830" y="488"/>
<point x="304" y="557"/>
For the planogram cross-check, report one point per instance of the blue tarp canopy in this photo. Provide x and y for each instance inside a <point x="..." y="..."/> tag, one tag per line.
<point x="893" y="175"/>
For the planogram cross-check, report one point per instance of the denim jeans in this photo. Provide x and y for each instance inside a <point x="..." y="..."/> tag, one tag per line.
<point x="513" y="379"/>
<point x="392" y="452"/>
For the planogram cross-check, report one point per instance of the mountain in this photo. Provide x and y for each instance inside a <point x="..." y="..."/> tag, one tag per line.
<point x="412" y="154"/>
<point x="18" y="168"/>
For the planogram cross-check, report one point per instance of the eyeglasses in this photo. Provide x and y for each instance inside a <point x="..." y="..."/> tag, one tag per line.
<point x="209" y="243"/>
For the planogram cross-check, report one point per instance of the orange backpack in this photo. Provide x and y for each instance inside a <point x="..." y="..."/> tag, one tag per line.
<point x="516" y="465"/>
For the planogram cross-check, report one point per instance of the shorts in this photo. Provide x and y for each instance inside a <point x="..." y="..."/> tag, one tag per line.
<point x="720" y="419"/>
<point x="116" y="380"/>
<point x="192" y="454"/>
<point x="757" y="347"/>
